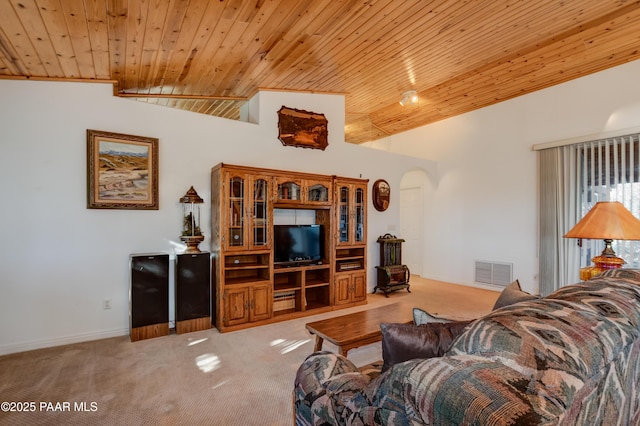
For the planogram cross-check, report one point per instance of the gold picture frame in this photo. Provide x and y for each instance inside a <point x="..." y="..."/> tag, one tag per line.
<point x="122" y="171"/>
<point x="302" y="129"/>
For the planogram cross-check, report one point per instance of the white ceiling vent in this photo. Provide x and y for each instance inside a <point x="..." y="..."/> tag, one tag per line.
<point x="495" y="273"/>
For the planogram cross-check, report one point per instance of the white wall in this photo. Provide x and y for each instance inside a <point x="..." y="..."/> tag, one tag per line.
<point x="484" y="200"/>
<point x="60" y="260"/>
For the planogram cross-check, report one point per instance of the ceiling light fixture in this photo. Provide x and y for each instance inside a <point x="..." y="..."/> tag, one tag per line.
<point x="410" y="97"/>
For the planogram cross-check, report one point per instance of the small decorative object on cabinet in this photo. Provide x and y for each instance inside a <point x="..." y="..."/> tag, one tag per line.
<point x="193" y="292"/>
<point x="392" y="274"/>
<point x="191" y="233"/>
<point x="149" y="296"/>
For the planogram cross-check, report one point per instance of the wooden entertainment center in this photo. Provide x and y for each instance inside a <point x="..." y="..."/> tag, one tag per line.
<point x="250" y="287"/>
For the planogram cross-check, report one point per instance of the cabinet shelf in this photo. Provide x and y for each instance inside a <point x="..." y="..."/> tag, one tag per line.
<point x="239" y="261"/>
<point x="348" y="258"/>
<point x="312" y="306"/>
<point x="246" y="266"/>
<point x="317" y="297"/>
<point x="317" y="284"/>
<point x="284" y="312"/>
<point x="244" y="280"/>
<point x="281" y="288"/>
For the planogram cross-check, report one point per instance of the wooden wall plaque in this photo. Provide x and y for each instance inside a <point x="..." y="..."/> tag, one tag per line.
<point x="302" y="129"/>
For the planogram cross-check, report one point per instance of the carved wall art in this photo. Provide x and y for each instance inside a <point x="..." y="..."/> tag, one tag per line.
<point x="302" y="129"/>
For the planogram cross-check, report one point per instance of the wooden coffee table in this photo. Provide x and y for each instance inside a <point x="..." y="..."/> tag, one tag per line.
<point x="358" y="329"/>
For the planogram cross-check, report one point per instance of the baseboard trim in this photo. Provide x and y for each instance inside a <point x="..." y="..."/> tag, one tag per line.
<point x="48" y="343"/>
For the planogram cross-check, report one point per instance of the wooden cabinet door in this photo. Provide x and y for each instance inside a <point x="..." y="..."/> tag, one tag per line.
<point x="343" y="288"/>
<point x="343" y="214"/>
<point x="261" y="302"/>
<point x="359" y="286"/>
<point x="234" y="213"/>
<point x="359" y="203"/>
<point x="317" y="192"/>
<point x="350" y="288"/>
<point x="288" y="189"/>
<point x="236" y="305"/>
<point x="351" y="212"/>
<point x="247" y="212"/>
<point x="260" y="216"/>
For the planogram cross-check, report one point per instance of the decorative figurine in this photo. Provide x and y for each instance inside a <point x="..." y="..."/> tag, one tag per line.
<point x="191" y="233"/>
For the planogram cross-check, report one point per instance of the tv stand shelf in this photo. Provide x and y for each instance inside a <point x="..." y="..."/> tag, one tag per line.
<point x="304" y="285"/>
<point x="250" y="286"/>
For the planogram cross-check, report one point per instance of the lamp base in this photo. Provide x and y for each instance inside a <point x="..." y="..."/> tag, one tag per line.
<point x="602" y="263"/>
<point x="192" y="243"/>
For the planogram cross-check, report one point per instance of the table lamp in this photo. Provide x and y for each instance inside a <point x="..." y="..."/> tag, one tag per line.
<point x="607" y="220"/>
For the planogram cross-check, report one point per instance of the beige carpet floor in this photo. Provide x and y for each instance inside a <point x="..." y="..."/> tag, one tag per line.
<point x="238" y="378"/>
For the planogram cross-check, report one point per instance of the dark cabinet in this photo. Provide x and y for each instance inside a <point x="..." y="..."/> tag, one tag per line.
<point x="193" y="292"/>
<point x="149" y="296"/>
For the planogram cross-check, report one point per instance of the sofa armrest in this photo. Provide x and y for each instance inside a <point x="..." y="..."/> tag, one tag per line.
<point x="330" y="389"/>
<point x="318" y="370"/>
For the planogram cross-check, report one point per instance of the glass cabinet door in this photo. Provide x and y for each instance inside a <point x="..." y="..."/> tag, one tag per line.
<point x="260" y="219"/>
<point x="317" y="192"/>
<point x="344" y="214"/>
<point x="289" y="191"/>
<point x="236" y="212"/>
<point x="352" y="212"/>
<point x="359" y="215"/>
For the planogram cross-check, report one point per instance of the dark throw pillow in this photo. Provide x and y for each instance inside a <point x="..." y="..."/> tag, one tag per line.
<point x="513" y="294"/>
<point x="402" y="342"/>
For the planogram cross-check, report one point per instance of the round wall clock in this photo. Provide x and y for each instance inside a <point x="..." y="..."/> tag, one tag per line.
<point x="381" y="195"/>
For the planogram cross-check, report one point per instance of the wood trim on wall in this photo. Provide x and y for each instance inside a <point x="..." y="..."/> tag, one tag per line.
<point x="586" y="138"/>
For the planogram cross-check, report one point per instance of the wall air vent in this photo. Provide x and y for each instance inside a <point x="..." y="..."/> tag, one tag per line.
<point x="494" y="273"/>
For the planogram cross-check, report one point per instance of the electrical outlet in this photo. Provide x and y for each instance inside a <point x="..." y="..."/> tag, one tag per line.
<point x="106" y="304"/>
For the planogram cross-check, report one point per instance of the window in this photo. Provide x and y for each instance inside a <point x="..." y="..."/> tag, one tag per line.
<point x="609" y="170"/>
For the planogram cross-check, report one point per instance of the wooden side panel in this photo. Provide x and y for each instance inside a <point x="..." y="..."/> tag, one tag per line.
<point x="216" y="194"/>
<point x="196" y="324"/>
<point x="149" y="331"/>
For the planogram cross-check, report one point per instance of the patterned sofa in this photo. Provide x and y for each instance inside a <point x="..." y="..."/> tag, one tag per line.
<point x="571" y="358"/>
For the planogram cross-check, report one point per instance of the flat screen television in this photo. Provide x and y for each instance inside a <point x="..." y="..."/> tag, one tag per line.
<point x="298" y="244"/>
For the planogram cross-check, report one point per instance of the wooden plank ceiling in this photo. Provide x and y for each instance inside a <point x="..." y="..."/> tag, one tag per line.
<point x="211" y="56"/>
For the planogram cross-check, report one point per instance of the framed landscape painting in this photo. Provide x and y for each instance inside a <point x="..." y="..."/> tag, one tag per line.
<point x="122" y="171"/>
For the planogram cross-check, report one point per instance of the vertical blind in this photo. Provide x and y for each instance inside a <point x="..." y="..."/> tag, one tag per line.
<point x="559" y="211"/>
<point x="609" y="171"/>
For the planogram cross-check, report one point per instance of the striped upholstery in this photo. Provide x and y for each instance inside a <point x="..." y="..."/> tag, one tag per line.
<point x="571" y="358"/>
